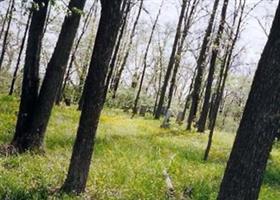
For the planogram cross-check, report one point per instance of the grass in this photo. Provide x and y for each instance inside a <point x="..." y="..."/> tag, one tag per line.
<point x="130" y="156"/>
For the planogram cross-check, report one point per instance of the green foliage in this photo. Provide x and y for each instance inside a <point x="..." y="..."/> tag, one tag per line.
<point x="130" y="156"/>
<point x="125" y="99"/>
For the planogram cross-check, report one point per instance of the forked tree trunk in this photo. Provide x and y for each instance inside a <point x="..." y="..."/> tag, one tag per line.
<point x="94" y="96"/>
<point x="201" y="67"/>
<point x="258" y="127"/>
<point x="30" y="83"/>
<point x="34" y="137"/>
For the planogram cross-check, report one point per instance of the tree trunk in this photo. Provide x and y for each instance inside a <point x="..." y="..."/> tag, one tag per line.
<point x="135" y="105"/>
<point x="94" y="96"/>
<point x="6" y="18"/>
<point x="66" y="80"/>
<point x="258" y="127"/>
<point x="6" y="34"/>
<point x="215" y="51"/>
<point x="201" y="67"/>
<point x="188" y="20"/>
<point x="30" y="83"/>
<point x="117" y="48"/>
<point x="54" y="74"/>
<point x="20" y="54"/>
<point x="171" y="60"/>
<point x="117" y="79"/>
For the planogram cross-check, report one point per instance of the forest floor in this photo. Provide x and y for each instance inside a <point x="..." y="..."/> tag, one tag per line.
<point x="129" y="160"/>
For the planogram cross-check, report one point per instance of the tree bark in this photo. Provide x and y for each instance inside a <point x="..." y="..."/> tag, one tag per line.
<point x="171" y="60"/>
<point x="135" y="105"/>
<point x="188" y="20"/>
<point x="66" y="80"/>
<point x="215" y="51"/>
<point x="258" y="127"/>
<point x="30" y="83"/>
<point x="117" y="48"/>
<point x="201" y="67"/>
<point x="20" y="54"/>
<point x="54" y="74"/>
<point x="117" y="79"/>
<point x="94" y="96"/>
<point x="222" y="81"/>
<point x="6" y="34"/>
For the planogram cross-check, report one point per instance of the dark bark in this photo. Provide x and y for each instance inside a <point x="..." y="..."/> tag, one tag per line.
<point x="20" y="54"/>
<point x="135" y="105"/>
<point x="117" y="48"/>
<point x="66" y="80"/>
<point x="94" y="96"/>
<point x="215" y="52"/>
<point x="54" y="74"/>
<point x="178" y="57"/>
<point x="6" y="18"/>
<point x="201" y="67"/>
<point x="117" y="78"/>
<point x="222" y="82"/>
<point x="30" y="83"/>
<point x="6" y="34"/>
<point x="189" y="96"/>
<point x="258" y="127"/>
<point x="171" y="60"/>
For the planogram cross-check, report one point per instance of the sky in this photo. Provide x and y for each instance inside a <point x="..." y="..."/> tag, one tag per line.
<point x="252" y="37"/>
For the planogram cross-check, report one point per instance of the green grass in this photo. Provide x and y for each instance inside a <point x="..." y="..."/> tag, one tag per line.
<point x="130" y="156"/>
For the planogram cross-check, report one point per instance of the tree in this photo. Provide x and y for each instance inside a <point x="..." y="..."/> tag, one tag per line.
<point x="6" y="34"/>
<point x="258" y="127"/>
<point x="201" y="67"/>
<point x="135" y="105"/>
<point x="171" y="60"/>
<point x="30" y="83"/>
<point x="20" y="54"/>
<point x="187" y="25"/>
<point x="73" y="54"/>
<point x="109" y="24"/>
<point x="117" y="47"/>
<point x="215" y="51"/>
<point x="117" y="78"/>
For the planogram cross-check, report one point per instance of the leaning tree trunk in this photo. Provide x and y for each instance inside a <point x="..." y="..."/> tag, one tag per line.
<point x="222" y="81"/>
<point x="201" y="67"/>
<point x="135" y="105"/>
<point x="20" y="54"/>
<point x="66" y="80"/>
<point x="215" y="51"/>
<point x="6" y="34"/>
<point x="258" y="127"/>
<point x="117" y="78"/>
<point x="94" y="96"/>
<point x="171" y="60"/>
<point x="30" y="83"/>
<point x="117" y="49"/>
<point x="178" y="58"/>
<point x="6" y="18"/>
<point x="54" y="74"/>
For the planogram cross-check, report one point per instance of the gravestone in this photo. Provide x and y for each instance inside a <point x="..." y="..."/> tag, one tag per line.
<point x="180" y="118"/>
<point x="166" y="120"/>
<point x="143" y="110"/>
